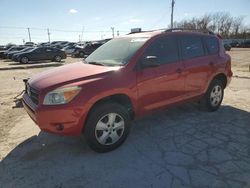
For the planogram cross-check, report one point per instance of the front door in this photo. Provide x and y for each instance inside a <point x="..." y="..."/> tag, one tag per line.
<point x="164" y="84"/>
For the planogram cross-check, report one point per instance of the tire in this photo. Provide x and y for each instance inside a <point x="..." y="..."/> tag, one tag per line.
<point x="81" y="54"/>
<point x="58" y="58"/>
<point x="24" y="60"/>
<point x="107" y="127"/>
<point x="212" y="99"/>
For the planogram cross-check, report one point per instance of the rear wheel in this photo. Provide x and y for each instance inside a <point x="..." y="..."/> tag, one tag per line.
<point x="212" y="99"/>
<point x="107" y="127"/>
<point x="24" y="60"/>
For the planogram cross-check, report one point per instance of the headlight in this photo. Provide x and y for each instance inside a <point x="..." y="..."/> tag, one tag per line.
<point x="61" y="95"/>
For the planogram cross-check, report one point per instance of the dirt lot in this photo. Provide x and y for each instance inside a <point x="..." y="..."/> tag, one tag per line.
<point x="180" y="147"/>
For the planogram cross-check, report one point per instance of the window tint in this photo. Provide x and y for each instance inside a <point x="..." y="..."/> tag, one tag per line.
<point x="89" y="46"/>
<point x="39" y="50"/>
<point x="54" y="49"/>
<point x="211" y="45"/>
<point x="165" y="49"/>
<point x="192" y="47"/>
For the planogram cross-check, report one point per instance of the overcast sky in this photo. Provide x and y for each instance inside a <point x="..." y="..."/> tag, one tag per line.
<point x="66" y="19"/>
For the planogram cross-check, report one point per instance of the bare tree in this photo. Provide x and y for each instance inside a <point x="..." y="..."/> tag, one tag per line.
<point x="203" y="22"/>
<point x="220" y="22"/>
<point x="237" y="23"/>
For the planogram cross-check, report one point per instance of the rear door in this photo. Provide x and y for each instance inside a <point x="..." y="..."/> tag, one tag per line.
<point x="195" y="63"/>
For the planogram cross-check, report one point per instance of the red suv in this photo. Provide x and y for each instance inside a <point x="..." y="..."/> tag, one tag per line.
<point x="126" y="78"/>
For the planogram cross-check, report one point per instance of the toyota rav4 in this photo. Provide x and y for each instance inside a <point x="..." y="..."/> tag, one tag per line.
<point x="126" y="78"/>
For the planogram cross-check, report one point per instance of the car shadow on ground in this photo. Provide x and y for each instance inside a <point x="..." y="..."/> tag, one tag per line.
<point x="180" y="147"/>
<point x="32" y="65"/>
<point x="35" y="62"/>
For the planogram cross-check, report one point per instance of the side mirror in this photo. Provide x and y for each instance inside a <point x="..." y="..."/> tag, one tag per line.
<point x="150" y="61"/>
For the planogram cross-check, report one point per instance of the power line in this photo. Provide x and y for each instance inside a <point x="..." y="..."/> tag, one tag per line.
<point x="59" y="30"/>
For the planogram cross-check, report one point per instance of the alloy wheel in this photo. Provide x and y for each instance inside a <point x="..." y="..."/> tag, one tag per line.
<point x="216" y="95"/>
<point x="109" y="129"/>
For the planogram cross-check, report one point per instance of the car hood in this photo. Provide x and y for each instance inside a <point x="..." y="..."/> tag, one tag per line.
<point x="67" y="74"/>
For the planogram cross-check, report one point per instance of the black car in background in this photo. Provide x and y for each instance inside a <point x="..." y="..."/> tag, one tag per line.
<point x="41" y="53"/>
<point x="2" y="50"/>
<point x="87" y="49"/>
<point x="59" y="44"/>
<point x="235" y="44"/>
<point x="10" y="54"/>
<point x="246" y="44"/>
<point x="12" y="49"/>
<point x="227" y="47"/>
<point x="15" y="54"/>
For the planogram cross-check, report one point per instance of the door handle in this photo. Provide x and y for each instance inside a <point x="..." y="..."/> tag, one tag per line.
<point x="179" y="71"/>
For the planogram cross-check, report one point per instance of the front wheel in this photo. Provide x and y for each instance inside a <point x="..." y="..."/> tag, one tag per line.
<point x="81" y="54"/>
<point x="24" y="60"/>
<point x="107" y="127"/>
<point x="212" y="99"/>
<point x="58" y="58"/>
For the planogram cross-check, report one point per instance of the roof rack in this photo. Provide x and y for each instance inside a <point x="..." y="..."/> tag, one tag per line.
<point x="192" y="30"/>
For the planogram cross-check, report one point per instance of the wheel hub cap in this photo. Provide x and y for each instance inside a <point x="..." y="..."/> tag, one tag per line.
<point x="216" y="95"/>
<point x="109" y="129"/>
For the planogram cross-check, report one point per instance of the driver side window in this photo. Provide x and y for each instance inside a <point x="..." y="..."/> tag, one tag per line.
<point x="164" y="48"/>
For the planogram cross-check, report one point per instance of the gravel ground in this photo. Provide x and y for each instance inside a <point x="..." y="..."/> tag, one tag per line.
<point x="179" y="147"/>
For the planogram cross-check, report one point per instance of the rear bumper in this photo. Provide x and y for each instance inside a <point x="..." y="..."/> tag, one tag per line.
<point x="62" y="119"/>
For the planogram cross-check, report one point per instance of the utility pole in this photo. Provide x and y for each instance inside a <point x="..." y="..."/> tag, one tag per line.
<point x="48" y="34"/>
<point x="29" y="33"/>
<point x="113" y="32"/>
<point x="82" y="34"/>
<point x="172" y="13"/>
<point x="118" y="34"/>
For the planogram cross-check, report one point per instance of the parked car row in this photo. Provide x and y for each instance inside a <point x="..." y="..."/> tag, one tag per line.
<point x="24" y="54"/>
<point x="236" y="43"/>
<point x="86" y="49"/>
<point x="80" y="49"/>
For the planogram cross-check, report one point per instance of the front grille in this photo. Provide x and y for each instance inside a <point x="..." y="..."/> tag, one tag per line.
<point x="33" y="94"/>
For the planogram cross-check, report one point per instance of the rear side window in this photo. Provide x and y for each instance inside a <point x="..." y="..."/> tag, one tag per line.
<point x="191" y="47"/>
<point x="48" y="49"/>
<point x="165" y="49"/>
<point x="211" y="45"/>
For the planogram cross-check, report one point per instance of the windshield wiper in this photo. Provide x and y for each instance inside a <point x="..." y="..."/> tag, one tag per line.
<point x="95" y="63"/>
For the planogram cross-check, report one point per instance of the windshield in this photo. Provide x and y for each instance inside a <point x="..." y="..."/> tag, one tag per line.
<point x="116" y="52"/>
